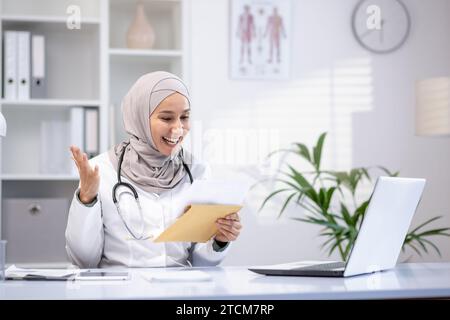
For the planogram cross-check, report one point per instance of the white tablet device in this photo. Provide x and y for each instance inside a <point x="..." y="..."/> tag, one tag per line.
<point x="103" y="275"/>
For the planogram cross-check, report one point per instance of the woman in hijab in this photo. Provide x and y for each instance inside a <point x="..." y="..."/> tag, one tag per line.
<point x="109" y="227"/>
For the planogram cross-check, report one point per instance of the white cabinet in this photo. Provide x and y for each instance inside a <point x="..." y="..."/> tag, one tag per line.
<point x="34" y="216"/>
<point x="89" y="67"/>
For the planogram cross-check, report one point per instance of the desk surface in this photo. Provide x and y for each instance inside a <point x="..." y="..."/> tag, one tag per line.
<point x="405" y="281"/>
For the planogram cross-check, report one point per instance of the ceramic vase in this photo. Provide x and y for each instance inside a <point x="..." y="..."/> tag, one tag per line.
<point x="140" y="34"/>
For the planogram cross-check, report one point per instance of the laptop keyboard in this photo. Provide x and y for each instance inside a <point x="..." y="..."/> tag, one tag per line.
<point x="324" y="266"/>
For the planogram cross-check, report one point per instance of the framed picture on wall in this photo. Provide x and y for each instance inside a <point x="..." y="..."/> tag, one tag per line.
<point x="260" y="39"/>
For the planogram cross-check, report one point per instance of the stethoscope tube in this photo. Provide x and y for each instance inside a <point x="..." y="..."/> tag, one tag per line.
<point x="135" y="194"/>
<point x="120" y="183"/>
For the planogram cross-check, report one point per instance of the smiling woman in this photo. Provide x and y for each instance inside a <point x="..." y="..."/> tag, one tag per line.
<point x="130" y="194"/>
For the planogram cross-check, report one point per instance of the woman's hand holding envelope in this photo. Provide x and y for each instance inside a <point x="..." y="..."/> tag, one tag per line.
<point x="229" y="228"/>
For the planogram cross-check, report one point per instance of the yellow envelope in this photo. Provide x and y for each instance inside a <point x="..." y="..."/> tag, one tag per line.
<point x="197" y="224"/>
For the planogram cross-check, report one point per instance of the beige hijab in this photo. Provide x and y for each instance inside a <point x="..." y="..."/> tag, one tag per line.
<point x="143" y="163"/>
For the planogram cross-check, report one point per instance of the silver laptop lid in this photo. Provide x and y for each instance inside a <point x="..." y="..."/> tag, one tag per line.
<point x="385" y="225"/>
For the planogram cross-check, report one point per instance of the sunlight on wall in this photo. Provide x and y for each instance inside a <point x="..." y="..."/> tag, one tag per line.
<point x="352" y="91"/>
<point x="239" y="137"/>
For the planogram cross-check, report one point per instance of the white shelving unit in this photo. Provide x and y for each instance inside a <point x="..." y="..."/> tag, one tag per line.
<point x="44" y="19"/>
<point x="90" y="66"/>
<point x="39" y="177"/>
<point x="49" y="103"/>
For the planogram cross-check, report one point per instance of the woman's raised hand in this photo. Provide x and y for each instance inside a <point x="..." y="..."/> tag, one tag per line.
<point x="89" y="177"/>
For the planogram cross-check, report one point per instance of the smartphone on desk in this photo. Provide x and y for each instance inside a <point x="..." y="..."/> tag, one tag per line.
<point x="103" y="275"/>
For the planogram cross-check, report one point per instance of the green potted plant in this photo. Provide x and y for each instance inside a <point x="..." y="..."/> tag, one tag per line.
<point x="329" y="199"/>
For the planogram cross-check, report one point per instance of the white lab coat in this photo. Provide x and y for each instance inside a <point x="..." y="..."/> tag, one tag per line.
<point x="96" y="236"/>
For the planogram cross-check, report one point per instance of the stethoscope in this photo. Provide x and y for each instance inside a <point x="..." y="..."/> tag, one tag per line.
<point x="136" y="197"/>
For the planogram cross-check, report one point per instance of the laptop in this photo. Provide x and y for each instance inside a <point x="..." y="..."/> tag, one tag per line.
<point x="379" y="240"/>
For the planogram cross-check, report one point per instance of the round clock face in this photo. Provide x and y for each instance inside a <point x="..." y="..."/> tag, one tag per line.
<point x="381" y="26"/>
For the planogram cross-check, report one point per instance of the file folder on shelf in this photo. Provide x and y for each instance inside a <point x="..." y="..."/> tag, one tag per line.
<point x="76" y="131"/>
<point x="91" y="131"/>
<point x="23" y="66"/>
<point x="10" y="65"/>
<point x="53" y="147"/>
<point x="38" y="81"/>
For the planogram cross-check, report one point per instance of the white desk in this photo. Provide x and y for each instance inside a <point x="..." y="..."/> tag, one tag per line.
<point x="425" y="280"/>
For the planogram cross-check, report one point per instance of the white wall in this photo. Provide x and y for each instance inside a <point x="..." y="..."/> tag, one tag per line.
<point x="364" y="101"/>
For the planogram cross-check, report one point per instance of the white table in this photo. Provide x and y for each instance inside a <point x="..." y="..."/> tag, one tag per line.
<point x="424" y="280"/>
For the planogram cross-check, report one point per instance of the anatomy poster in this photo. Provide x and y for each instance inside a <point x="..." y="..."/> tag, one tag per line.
<point x="260" y="39"/>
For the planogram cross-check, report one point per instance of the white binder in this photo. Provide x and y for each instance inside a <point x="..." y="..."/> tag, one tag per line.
<point x="76" y="132"/>
<point x="38" y="81"/>
<point x="54" y="155"/>
<point x="23" y="67"/>
<point x="92" y="131"/>
<point x="10" y="66"/>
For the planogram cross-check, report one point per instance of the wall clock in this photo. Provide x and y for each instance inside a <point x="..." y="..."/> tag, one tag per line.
<point x="381" y="26"/>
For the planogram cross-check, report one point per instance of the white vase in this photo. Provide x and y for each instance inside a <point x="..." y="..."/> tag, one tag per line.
<point x="140" y="34"/>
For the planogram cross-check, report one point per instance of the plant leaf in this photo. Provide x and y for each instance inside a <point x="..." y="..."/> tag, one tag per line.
<point x="286" y="203"/>
<point x="425" y="223"/>
<point x="317" y="150"/>
<point x="414" y="248"/>
<point x="389" y="173"/>
<point x="328" y="224"/>
<point x="307" y="187"/>
<point x="346" y="215"/>
<point x="359" y="212"/>
<point x="433" y="245"/>
<point x="321" y="198"/>
<point x="365" y="171"/>
<point x="295" y="187"/>
<point x="270" y="196"/>
<point x="329" y="196"/>
<point x="336" y="244"/>
<point x="347" y="248"/>
<point x="303" y="151"/>
<point x="279" y="150"/>
<point x="434" y="232"/>
<point x="327" y="242"/>
<point x="421" y="244"/>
